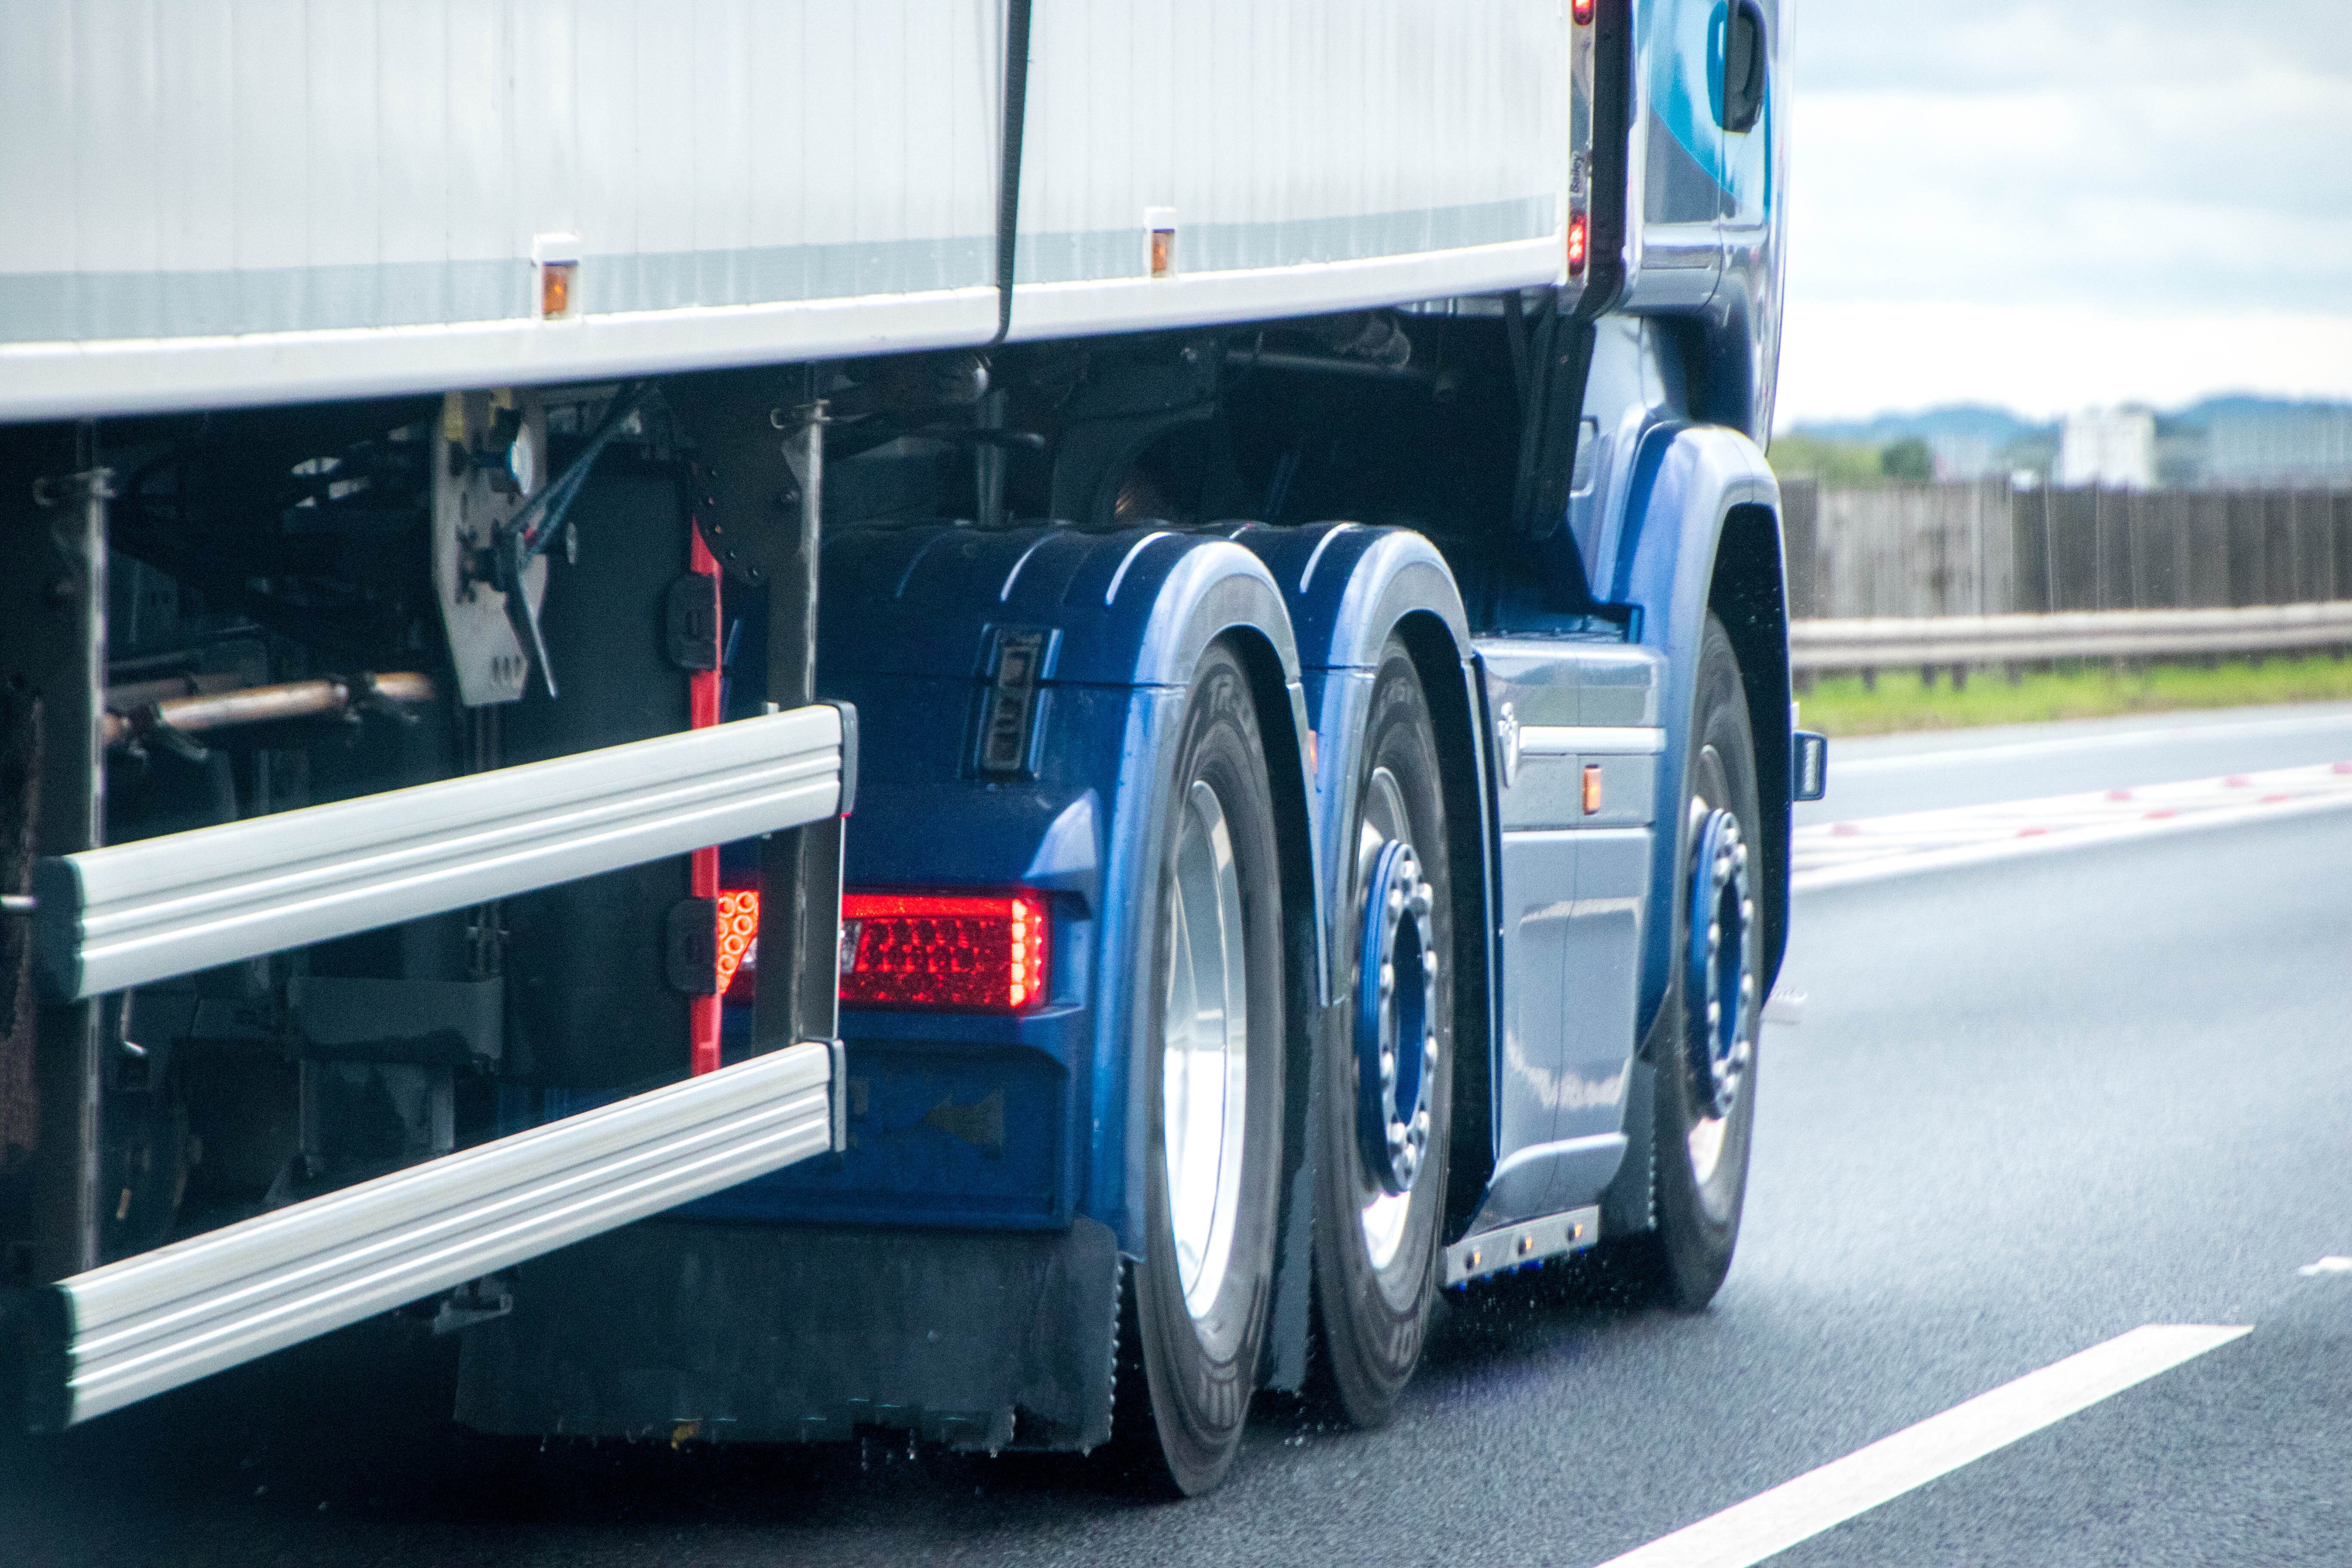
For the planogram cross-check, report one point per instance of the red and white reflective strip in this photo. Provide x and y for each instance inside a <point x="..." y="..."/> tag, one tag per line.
<point x="1835" y="853"/>
<point x="702" y="704"/>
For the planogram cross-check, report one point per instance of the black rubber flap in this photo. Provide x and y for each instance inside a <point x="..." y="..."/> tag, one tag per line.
<point x="722" y="1333"/>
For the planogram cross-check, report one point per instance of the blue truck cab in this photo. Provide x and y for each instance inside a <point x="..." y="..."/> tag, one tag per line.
<point x="1320" y="837"/>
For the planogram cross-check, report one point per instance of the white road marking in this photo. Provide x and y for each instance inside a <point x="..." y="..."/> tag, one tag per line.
<point x="1948" y="755"/>
<point x="1835" y="854"/>
<point x="1799" y="1509"/>
<point x="2331" y="1263"/>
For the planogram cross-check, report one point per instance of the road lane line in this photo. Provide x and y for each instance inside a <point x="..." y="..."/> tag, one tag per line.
<point x="1798" y="1510"/>
<point x="2001" y="751"/>
<point x="1867" y="849"/>
<point x="2151" y="826"/>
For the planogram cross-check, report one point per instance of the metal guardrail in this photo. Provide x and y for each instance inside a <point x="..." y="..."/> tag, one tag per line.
<point x="1861" y="644"/>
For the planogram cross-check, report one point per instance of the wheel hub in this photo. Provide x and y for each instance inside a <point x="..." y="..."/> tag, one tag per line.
<point x="1396" y="1022"/>
<point x="1718" y="984"/>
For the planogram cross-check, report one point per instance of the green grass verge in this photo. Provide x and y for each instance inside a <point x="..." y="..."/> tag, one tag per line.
<point x="1840" y="705"/>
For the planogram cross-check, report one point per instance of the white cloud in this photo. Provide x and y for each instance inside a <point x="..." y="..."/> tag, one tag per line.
<point x="1843" y="361"/>
<point x="2063" y="176"/>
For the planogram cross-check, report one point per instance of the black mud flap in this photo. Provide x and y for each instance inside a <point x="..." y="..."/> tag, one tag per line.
<point x="765" y="1334"/>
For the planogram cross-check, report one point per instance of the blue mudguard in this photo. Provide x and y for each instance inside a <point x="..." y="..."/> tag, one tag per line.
<point x="1687" y="481"/>
<point x="1006" y="1122"/>
<point x="1350" y="588"/>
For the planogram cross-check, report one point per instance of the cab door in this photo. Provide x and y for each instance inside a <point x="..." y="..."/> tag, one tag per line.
<point x="1679" y="140"/>
<point x="1747" y="104"/>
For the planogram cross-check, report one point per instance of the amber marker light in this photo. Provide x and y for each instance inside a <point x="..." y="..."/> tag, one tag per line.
<point x="739" y="932"/>
<point x="555" y="290"/>
<point x="1592" y="789"/>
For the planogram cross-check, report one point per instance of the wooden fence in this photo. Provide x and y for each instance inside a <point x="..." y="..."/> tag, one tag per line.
<point x="1975" y="549"/>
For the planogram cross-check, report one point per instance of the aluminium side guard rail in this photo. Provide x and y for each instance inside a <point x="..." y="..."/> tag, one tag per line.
<point x="108" y="919"/>
<point x="152" y="1322"/>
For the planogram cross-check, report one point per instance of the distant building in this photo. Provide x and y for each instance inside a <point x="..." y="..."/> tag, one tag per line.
<point x="2250" y="445"/>
<point x="1961" y="456"/>
<point x="2110" y="447"/>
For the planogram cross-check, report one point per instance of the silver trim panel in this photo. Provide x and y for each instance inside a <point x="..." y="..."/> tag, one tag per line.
<point x="1590" y="740"/>
<point x="169" y="1317"/>
<point x="135" y="913"/>
<point x="1531" y="1241"/>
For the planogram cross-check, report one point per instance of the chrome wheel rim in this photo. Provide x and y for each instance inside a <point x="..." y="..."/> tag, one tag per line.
<point x="1383" y="1213"/>
<point x="1719" y="980"/>
<point x="1204" y="1067"/>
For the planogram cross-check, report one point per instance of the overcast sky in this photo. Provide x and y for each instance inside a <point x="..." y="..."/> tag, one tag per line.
<point x="2053" y="203"/>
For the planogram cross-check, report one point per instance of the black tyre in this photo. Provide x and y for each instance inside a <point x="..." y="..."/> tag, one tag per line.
<point x="1706" y="1064"/>
<point x="1387" y="1071"/>
<point x="1212" y="1057"/>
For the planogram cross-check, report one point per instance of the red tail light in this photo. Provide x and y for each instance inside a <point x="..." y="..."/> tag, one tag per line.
<point x="969" y="952"/>
<point x="1581" y="10"/>
<point x="1580" y="238"/>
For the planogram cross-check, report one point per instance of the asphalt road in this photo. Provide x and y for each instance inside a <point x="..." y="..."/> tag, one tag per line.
<point x="2033" y="1105"/>
<point x="1879" y="775"/>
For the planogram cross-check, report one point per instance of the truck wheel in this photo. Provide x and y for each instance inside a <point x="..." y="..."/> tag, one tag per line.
<point x="1215" y="1071"/>
<point x="1706" y="1065"/>
<point x="1380" y="1183"/>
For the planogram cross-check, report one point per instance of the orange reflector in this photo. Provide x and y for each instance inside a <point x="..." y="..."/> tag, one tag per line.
<point x="555" y="290"/>
<point x="1592" y="789"/>
<point x="971" y="952"/>
<point x="739" y="937"/>
<point x="1580" y="238"/>
<point x="1163" y="253"/>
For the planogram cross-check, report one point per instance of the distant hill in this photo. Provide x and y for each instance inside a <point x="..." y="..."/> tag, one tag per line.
<point x="1961" y="421"/>
<point x="2238" y="439"/>
<point x="2244" y="405"/>
<point x="1998" y="426"/>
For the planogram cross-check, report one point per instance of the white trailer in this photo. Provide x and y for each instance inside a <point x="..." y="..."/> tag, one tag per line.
<point x="262" y="202"/>
<point x="1351" y="376"/>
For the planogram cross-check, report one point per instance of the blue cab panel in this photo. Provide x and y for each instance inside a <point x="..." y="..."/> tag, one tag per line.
<point x="1579" y="737"/>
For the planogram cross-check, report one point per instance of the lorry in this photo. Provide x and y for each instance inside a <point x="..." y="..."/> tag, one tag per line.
<point x="987" y="718"/>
